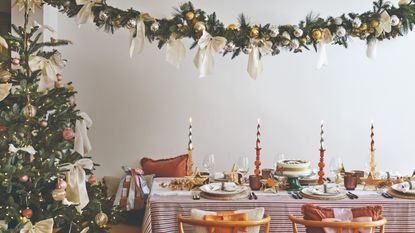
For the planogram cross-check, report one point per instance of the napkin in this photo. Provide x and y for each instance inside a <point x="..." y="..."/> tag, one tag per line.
<point x="406" y="186"/>
<point x="330" y="190"/>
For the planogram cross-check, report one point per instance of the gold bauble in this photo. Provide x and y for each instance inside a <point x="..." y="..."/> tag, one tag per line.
<point x="101" y="219"/>
<point x="232" y="26"/>
<point x="69" y="88"/>
<point x="285" y="42"/>
<point x="58" y="194"/>
<point x="199" y="26"/>
<point x="374" y="23"/>
<point x="189" y="15"/>
<point x="303" y="40"/>
<point x="116" y="22"/>
<point x="5" y="75"/>
<point x="254" y="32"/>
<point x="316" y="34"/>
<point x="363" y="27"/>
<point x="29" y="111"/>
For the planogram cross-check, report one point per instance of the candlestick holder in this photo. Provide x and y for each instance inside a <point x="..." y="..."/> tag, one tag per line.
<point x="257" y="170"/>
<point x="189" y="162"/>
<point x="321" y="167"/>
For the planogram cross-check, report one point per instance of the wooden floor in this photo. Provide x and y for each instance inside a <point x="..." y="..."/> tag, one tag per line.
<point x="121" y="228"/>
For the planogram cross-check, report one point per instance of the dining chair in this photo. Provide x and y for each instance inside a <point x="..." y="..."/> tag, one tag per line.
<point x="233" y="226"/>
<point x="338" y="225"/>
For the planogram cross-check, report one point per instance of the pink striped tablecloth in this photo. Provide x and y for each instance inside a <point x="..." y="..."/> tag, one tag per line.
<point x="160" y="216"/>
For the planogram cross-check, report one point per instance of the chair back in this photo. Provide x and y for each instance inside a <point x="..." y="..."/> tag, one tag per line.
<point x="233" y="226"/>
<point x="355" y="226"/>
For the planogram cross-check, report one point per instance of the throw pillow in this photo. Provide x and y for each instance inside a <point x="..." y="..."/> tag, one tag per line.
<point x="172" y="167"/>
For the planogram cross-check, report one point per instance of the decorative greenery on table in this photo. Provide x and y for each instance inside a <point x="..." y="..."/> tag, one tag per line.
<point x="384" y="21"/>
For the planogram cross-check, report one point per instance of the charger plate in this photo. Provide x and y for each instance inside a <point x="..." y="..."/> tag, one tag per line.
<point x="310" y="195"/>
<point x="224" y="198"/>
<point x="397" y="194"/>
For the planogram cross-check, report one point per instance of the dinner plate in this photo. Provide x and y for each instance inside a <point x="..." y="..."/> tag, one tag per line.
<point x="212" y="189"/>
<point x="315" y="191"/>
<point x="399" y="188"/>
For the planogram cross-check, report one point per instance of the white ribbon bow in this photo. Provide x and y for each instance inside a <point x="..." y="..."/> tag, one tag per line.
<point x="5" y="90"/>
<point x="44" y="226"/>
<point x="371" y="51"/>
<point x="31" y="4"/>
<point x="326" y="39"/>
<point x="208" y="46"/>
<point x="76" y="178"/>
<point x="49" y="67"/>
<point x="82" y="144"/>
<point x="254" y="60"/>
<point x="28" y="149"/>
<point x="85" y="15"/>
<point x="85" y="230"/>
<point x="385" y="24"/>
<point x="175" y="51"/>
<point x="3" y="43"/>
<point x="138" y="33"/>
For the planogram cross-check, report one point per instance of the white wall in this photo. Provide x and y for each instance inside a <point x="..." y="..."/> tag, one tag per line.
<point x="141" y="106"/>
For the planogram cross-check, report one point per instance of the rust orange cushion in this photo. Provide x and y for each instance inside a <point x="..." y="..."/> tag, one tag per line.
<point x="226" y="216"/>
<point x="317" y="213"/>
<point x="171" y="167"/>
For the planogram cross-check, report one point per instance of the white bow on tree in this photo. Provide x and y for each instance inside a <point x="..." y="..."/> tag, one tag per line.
<point x="76" y="178"/>
<point x="28" y="149"/>
<point x="82" y="144"/>
<point x="175" y="51"/>
<point x="138" y="33"/>
<point x="208" y="47"/>
<point x="258" y="49"/>
<point x="49" y="69"/>
<point x="5" y="90"/>
<point x="30" y="4"/>
<point x="385" y="26"/>
<point x="86" y="15"/>
<point x="44" y="226"/>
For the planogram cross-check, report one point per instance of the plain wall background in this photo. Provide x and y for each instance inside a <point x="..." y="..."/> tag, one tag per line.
<point x="141" y="106"/>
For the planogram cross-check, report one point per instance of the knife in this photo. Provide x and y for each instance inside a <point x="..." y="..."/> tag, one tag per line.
<point x="349" y="196"/>
<point x="293" y="195"/>
<point x="254" y="195"/>
<point x="353" y="195"/>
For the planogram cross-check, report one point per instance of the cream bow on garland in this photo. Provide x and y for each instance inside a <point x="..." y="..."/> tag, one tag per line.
<point x="5" y="90"/>
<point x="49" y="67"/>
<point x="82" y="144"/>
<point x="175" y="51"/>
<point x="44" y="226"/>
<point x="76" y="178"/>
<point x="260" y="48"/>
<point x="326" y="38"/>
<point x="31" y="4"/>
<point x="28" y="149"/>
<point x="85" y="15"/>
<point x="208" y="46"/>
<point x="138" y="33"/>
<point x="385" y="26"/>
<point x="3" y="43"/>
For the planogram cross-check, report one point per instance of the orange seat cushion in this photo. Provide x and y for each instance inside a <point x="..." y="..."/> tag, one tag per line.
<point x="171" y="167"/>
<point x="226" y="216"/>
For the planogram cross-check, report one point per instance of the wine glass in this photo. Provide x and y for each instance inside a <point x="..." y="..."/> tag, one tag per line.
<point x="336" y="164"/>
<point x="209" y="163"/>
<point x="243" y="166"/>
<point x="278" y="157"/>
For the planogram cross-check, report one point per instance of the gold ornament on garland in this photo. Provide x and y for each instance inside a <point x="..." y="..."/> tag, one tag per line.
<point x="101" y="219"/>
<point x="374" y="23"/>
<point x="232" y="27"/>
<point x="29" y="111"/>
<point x="189" y="15"/>
<point x="199" y="26"/>
<point x="316" y="34"/>
<point x="254" y="33"/>
<point x="5" y="75"/>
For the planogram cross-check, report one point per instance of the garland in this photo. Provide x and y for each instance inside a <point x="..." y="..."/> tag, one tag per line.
<point x="384" y="21"/>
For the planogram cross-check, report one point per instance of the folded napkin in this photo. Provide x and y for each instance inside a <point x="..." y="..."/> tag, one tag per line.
<point x="228" y="186"/>
<point x="319" y="190"/>
<point x="406" y="186"/>
<point x="218" y="175"/>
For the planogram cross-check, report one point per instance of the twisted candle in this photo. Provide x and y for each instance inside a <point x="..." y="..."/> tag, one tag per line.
<point x="372" y="141"/>
<point x="257" y="170"/>
<point x="258" y="135"/>
<point x="322" y="136"/>
<point x="321" y="164"/>
<point x="190" y="144"/>
<point x="372" y="152"/>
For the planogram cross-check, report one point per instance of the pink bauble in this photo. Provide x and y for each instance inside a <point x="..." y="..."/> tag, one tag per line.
<point x="59" y="77"/>
<point x="43" y="123"/>
<point x="15" y="61"/>
<point x="68" y="134"/>
<point x="24" y="178"/>
<point x="61" y="184"/>
<point x="92" y="179"/>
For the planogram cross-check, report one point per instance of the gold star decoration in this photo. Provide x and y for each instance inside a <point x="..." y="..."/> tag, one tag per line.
<point x="197" y="179"/>
<point x="269" y="185"/>
<point x="371" y="183"/>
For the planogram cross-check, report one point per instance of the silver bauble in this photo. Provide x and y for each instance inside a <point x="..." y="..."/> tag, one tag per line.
<point x="230" y="47"/>
<point x="298" y="32"/>
<point x="247" y="50"/>
<point x="341" y="31"/>
<point x="356" y="22"/>
<point x="395" y="20"/>
<point x="294" y="44"/>
<point x="131" y="24"/>
<point x="155" y="26"/>
<point x="274" y="31"/>
<point x="29" y="111"/>
<point x="101" y="219"/>
<point x="103" y="16"/>
<point x="338" y="21"/>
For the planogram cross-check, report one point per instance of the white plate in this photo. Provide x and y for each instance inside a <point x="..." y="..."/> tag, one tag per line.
<point x="208" y="188"/>
<point x="399" y="188"/>
<point x="314" y="191"/>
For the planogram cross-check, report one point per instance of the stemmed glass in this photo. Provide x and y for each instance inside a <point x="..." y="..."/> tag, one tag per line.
<point x="243" y="166"/>
<point x="277" y="158"/>
<point x="209" y="163"/>
<point x="335" y="166"/>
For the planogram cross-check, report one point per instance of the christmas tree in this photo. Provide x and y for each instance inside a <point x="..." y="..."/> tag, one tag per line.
<point x="46" y="179"/>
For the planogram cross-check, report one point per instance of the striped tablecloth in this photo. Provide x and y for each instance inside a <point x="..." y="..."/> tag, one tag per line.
<point x="162" y="208"/>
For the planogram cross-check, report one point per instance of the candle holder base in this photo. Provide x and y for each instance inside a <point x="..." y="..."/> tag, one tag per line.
<point x="294" y="184"/>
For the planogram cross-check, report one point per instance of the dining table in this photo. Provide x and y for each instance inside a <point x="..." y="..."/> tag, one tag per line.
<point x="163" y="205"/>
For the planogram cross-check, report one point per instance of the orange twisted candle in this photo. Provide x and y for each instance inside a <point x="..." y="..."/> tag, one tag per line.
<point x="258" y="150"/>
